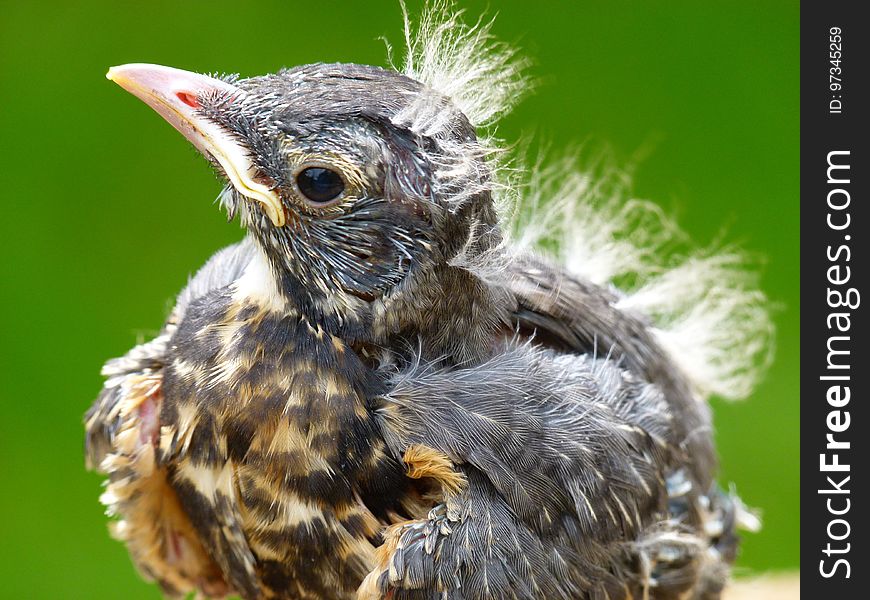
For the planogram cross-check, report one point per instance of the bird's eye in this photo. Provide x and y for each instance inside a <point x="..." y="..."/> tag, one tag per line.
<point x="319" y="184"/>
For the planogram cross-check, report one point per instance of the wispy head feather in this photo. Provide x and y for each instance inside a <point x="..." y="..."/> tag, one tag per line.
<point x="482" y="76"/>
<point x="468" y="77"/>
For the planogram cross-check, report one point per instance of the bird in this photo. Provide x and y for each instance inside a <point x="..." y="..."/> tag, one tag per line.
<point x="397" y="386"/>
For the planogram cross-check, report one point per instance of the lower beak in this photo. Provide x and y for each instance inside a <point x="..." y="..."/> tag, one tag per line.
<point x="175" y="95"/>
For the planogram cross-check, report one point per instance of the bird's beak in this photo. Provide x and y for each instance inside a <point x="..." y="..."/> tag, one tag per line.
<point x="175" y="95"/>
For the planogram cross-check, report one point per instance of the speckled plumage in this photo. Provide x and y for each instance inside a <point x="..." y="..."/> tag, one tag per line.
<point x="386" y="396"/>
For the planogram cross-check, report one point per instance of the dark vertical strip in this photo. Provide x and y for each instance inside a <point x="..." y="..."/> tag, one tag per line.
<point x="835" y="66"/>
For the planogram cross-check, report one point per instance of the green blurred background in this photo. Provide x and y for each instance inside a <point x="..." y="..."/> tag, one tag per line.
<point x="107" y="210"/>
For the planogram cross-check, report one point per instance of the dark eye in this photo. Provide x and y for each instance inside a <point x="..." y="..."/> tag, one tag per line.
<point x="319" y="184"/>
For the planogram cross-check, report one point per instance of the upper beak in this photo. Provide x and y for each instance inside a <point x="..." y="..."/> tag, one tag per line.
<point x="175" y="95"/>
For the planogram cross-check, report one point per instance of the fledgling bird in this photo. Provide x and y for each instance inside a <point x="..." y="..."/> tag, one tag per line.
<point x="383" y="391"/>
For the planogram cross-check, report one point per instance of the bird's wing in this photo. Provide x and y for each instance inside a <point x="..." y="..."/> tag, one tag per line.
<point x="105" y="420"/>
<point x="564" y="457"/>
<point x="123" y="430"/>
<point x="566" y="313"/>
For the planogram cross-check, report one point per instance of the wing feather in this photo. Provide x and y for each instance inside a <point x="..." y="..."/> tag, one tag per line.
<point x="565" y="458"/>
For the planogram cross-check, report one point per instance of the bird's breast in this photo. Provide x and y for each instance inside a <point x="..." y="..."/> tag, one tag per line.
<point x="280" y="405"/>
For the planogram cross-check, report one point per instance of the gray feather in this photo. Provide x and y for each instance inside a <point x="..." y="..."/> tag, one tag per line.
<point x="565" y="456"/>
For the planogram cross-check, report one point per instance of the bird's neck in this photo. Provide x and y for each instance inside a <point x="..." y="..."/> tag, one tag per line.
<point x="446" y="310"/>
<point x="259" y="285"/>
<point x="275" y="287"/>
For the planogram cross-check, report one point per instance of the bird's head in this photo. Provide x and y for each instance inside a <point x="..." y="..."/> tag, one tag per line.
<point x="353" y="179"/>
